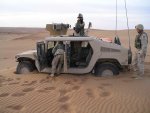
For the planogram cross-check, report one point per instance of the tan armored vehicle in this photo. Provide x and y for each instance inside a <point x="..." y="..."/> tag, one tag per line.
<point x="82" y="55"/>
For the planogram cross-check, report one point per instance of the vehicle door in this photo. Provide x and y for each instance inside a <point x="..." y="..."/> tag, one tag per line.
<point x="41" y="55"/>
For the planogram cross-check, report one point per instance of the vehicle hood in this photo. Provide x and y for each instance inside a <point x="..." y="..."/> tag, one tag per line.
<point x="29" y="54"/>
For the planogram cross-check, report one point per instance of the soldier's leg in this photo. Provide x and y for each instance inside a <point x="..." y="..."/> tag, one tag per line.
<point x="61" y="61"/>
<point x="54" y="64"/>
<point x="135" y="62"/>
<point x="134" y="65"/>
<point x="141" y="65"/>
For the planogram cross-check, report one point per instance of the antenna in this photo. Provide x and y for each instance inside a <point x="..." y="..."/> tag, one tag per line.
<point x="116" y="18"/>
<point x="129" y="52"/>
<point x="127" y="24"/>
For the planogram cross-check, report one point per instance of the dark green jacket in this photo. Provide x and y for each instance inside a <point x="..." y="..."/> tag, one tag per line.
<point x="79" y="28"/>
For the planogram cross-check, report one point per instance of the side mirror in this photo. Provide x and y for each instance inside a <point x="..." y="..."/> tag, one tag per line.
<point x="90" y="25"/>
<point x="117" y="40"/>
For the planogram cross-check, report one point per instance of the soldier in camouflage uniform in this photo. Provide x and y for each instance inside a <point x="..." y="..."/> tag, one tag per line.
<point x="79" y="26"/>
<point x="58" y="52"/>
<point x="141" y="42"/>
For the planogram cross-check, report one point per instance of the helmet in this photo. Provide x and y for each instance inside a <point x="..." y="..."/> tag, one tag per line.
<point x="80" y="15"/>
<point x="139" y="26"/>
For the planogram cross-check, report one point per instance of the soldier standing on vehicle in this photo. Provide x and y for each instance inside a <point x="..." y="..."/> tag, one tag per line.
<point x="141" y="42"/>
<point x="58" y="52"/>
<point x="79" y="26"/>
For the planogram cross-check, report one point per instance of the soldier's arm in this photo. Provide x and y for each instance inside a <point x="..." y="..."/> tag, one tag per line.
<point x="54" y="49"/>
<point x="144" y="43"/>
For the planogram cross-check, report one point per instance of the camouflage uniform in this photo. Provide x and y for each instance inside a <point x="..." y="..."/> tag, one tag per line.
<point x="141" y="41"/>
<point x="58" y="59"/>
<point x="79" y="26"/>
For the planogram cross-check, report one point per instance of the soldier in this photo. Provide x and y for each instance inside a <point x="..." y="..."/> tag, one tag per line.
<point x="79" y="26"/>
<point x="141" y="42"/>
<point x="58" y="52"/>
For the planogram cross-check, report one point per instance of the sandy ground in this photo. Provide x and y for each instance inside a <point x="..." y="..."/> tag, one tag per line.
<point x="33" y="93"/>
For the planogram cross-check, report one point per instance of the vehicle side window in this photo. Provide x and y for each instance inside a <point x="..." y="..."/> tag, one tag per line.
<point x="42" y="49"/>
<point x="49" y="54"/>
<point x="81" y="53"/>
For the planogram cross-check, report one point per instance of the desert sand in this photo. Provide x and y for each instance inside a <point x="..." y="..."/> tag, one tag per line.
<point x="33" y="93"/>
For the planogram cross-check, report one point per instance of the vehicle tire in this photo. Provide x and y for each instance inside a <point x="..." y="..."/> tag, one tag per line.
<point x="106" y="69"/>
<point x="24" y="67"/>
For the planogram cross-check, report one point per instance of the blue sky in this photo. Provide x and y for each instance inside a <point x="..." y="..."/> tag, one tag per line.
<point x="37" y="13"/>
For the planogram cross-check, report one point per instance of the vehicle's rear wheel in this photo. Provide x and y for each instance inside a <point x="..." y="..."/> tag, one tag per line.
<point x="24" y="67"/>
<point x="106" y="69"/>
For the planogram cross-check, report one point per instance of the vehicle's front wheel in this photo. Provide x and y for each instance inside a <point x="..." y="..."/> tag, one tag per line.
<point x="24" y="67"/>
<point x="106" y="69"/>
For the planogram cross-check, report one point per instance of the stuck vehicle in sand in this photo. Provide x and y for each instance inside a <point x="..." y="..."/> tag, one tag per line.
<point x="82" y="55"/>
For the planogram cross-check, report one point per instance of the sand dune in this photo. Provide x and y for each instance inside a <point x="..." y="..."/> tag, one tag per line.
<point x="74" y="94"/>
<point x="34" y="93"/>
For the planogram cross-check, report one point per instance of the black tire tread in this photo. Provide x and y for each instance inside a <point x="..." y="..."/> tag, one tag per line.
<point x="22" y="64"/>
<point x="102" y="66"/>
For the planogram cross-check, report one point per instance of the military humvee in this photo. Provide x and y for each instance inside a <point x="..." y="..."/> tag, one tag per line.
<point x="82" y="55"/>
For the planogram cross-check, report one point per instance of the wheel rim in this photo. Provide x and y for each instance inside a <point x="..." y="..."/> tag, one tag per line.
<point x="107" y="72"/>
<point x="25" y="70"/>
